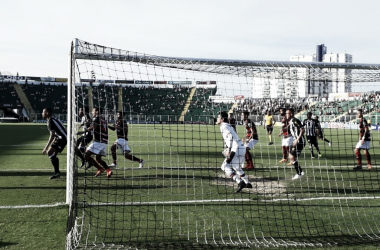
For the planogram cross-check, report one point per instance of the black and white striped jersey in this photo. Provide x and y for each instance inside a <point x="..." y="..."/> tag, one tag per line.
<point x="310" y="127"/>
<point x="56" y="125"/>
<point x="295" y="127"/>
<point x="85" y="122"/>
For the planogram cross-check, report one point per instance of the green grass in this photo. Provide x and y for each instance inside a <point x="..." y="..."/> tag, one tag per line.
<point x="183" y="164"/>
<point x="24" y="181"/>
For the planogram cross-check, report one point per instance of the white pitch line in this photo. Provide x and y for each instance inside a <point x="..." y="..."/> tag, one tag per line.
<point x="163" y="202"/>
<point x="324" y="198"/>
<point x="34" y="206"/>
<point x="20" y="170"/>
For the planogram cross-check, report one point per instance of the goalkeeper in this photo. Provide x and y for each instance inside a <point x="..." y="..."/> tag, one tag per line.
<point x="234" y="153"/>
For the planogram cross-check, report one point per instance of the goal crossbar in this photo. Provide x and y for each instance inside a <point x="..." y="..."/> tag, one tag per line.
<point x="89" y="51"/>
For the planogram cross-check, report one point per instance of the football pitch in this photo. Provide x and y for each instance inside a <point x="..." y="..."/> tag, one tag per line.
<point x="180" y="158"/>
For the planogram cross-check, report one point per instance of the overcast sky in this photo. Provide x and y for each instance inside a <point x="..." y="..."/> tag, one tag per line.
<point x="36" y="35"/>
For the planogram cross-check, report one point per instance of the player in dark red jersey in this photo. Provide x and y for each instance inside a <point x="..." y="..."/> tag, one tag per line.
<point x="251" y="140"/>
<point x="364" y="141"/>
<point x="121" y="128"/>
<point x="320" y="133"/>
<point x="232" y="121"/>
<point x="99" y="145"/>
<point x="287" y="138"/>
<point x="59" y="136"/>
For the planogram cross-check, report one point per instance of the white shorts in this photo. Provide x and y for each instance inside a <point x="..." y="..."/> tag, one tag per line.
<point x="251" y="144"/>
<point x="235" y="163"/>
<point x="287" y="142"/>
<point x="122" y="144"/>
<point x="366" y="145"/>
<point x="97" y="148"/>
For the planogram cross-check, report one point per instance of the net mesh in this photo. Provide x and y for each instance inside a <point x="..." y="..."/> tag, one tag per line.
<point x="181" y="198"/>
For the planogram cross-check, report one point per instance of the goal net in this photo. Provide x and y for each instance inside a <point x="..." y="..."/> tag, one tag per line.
<point x="180" y="198"/>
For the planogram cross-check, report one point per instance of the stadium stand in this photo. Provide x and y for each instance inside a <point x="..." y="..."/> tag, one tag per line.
<point x="258" y="106"/>
<point x="8" y="93"/>
<point x="201" y="109"/>
<point x="45" y="95"/>
<point x="181" y="103"/>
<point x="155" y="102"/>
<point x="105" y="97"/>
<point x="9" y="100"/>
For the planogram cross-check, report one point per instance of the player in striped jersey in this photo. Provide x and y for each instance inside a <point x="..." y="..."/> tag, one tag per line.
<point x="364" y="141"/>
<point x="297" y="130"/>
<point x="58" y="137"/>
<point x="98" y="146"/>
<point x="86" y="135"/>
<point x="121" y="128"/>
<point x="311" y="134"/>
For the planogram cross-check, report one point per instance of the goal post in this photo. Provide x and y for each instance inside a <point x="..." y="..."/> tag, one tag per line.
<point x="180" y="197"/>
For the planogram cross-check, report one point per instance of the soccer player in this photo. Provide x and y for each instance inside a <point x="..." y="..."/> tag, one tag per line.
<point x="121" y="128"/>
<point x="86" y="136"/>
<point x="364" y="141"/>
<point x="296" y="129"/>
<point x="98" y="146"/>
<point x="59" y="136"/>
<point x="234" y="153"/>
<point x="251" y="140"/>
<point x="232" y="120"/>
<point x="320" y="131"/>
<point x="311" y="134"/>
<point x="287" y="138"/>
<point x="268" y="124"/>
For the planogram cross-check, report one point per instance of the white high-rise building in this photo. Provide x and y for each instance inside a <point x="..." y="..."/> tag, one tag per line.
<point x="267" y="86"/>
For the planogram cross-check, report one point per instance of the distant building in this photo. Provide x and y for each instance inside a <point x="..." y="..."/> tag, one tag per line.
<point x="270" y="85"/>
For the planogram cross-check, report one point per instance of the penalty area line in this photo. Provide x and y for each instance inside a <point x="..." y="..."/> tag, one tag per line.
<point x="33" y="206"/>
